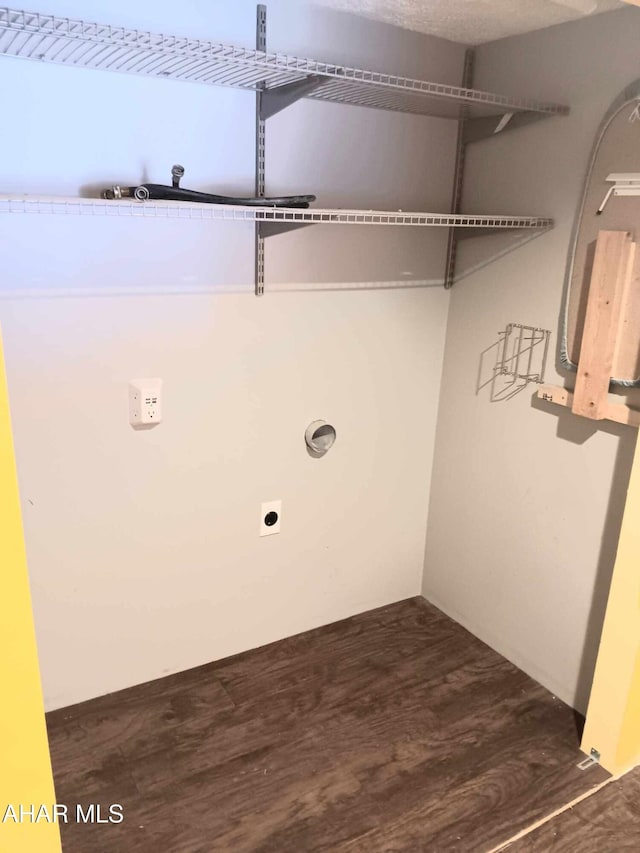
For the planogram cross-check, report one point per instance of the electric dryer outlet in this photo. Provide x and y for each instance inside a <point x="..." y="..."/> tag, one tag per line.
<point x="270" y="516"/>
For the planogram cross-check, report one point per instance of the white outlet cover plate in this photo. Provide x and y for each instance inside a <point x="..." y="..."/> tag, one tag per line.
<point x="265" y="509"/>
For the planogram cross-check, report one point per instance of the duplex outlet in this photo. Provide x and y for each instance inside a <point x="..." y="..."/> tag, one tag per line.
<point x="270" y="515"/>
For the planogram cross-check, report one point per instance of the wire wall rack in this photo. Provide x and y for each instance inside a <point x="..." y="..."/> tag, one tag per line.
<point x="277" y="81"/>
<point x="48" y="38"/>
<point x="522" y="358"/>
<point x="61" y="205"/>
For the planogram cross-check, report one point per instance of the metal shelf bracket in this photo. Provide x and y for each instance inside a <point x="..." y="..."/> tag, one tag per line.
<point x="485" y="127"/>
<point x="272" y="229"/>
<point x="273" y="101"/>
<point x="467" y="233"/>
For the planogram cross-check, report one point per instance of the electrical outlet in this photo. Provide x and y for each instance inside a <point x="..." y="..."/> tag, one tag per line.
<point x="145" y="402"/>
<point x="270" y="515"/>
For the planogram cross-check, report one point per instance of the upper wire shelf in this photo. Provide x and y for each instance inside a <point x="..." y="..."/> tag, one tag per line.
<point x="61" y="205"/>
<point x="30" y="35"/>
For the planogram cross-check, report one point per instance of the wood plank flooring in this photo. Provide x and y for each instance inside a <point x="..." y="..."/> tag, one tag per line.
<point x="607" y="822"/>
<point x="395" y="730"/>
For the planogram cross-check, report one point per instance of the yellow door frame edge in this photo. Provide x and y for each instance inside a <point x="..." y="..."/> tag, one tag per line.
<point x="612" y="728"/>
<point x="26" y="780"/>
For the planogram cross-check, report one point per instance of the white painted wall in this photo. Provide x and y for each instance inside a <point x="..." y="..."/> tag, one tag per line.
<point x="526" y="499"/>
<point x="143" y="548"/>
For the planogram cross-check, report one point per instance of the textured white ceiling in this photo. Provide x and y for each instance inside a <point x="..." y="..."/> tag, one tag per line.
<point x="473" y="21"/>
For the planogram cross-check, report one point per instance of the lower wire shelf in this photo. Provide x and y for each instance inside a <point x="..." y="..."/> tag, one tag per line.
<point x="62" y="205"/>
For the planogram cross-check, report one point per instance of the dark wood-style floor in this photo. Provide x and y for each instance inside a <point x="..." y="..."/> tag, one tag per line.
<point x="395" y="730"/>
<point x="607" y="822"/>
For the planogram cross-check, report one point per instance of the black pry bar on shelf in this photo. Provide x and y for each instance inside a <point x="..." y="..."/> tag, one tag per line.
<point x="162" y="192"/>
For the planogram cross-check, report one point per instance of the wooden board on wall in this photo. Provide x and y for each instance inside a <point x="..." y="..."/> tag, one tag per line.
<point x="604" y="324"/>
<point x="619" y="151"/>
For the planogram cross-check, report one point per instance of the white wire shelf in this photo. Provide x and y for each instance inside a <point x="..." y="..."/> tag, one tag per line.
<point x="47" y="38"/>
<point x="68" y="206"/>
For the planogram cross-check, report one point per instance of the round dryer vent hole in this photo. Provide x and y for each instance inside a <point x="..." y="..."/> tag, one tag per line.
<point x="319" y="438"/>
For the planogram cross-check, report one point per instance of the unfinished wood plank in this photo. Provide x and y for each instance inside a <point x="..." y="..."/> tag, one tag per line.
<point x="622" y="415"/>
<point x="626" y="358"/>
<point x="612" y="412"/>
<point x="612" y="269"/>
<point x="617" y="149"/>
<point x="555" y="394"/>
